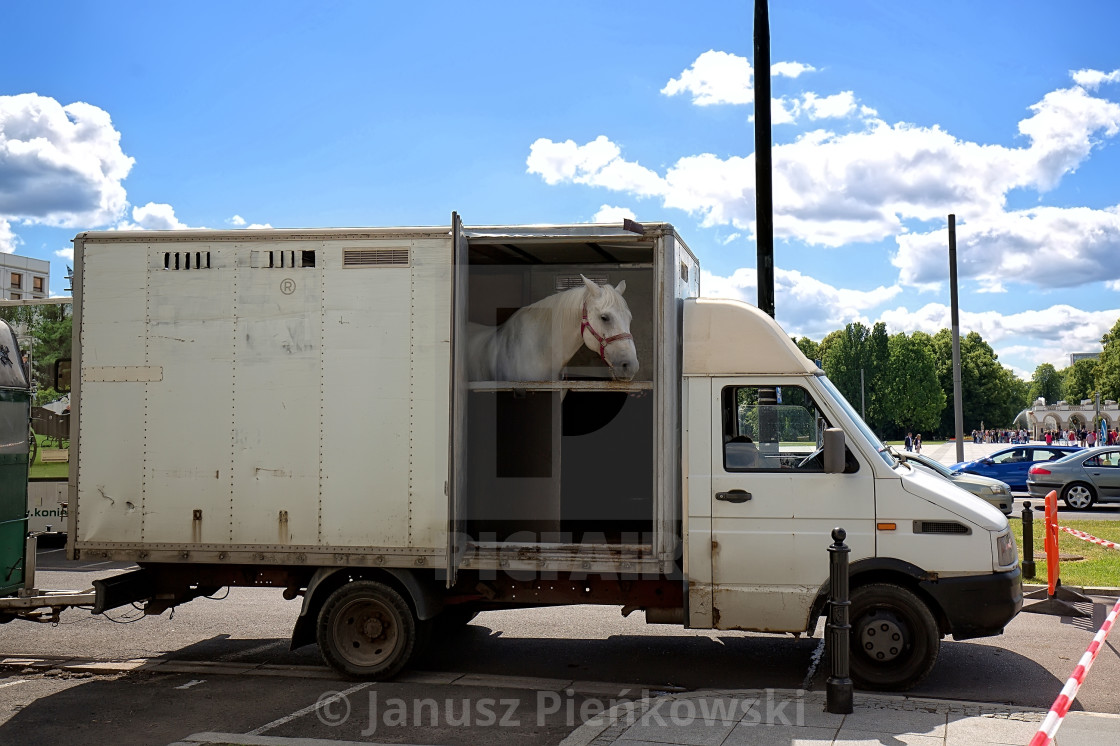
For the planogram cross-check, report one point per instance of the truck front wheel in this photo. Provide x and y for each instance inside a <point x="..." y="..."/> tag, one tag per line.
<point x="366" y="630"/>
<point x="894" y="638"/>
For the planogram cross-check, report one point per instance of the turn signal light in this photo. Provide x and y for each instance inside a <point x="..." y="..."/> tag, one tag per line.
<point x="1038" y="470"/>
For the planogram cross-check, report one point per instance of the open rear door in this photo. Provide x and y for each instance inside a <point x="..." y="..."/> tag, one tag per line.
<point x="457" y="479"/>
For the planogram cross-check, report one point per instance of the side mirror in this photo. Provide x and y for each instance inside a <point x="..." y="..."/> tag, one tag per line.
<point x="62" y="375"/>
<point x="986" y="461"/>
<point x="834" y="451"/>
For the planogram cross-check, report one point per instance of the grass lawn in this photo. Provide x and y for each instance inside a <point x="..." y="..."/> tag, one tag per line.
<point x="1099" y="569"/>
<point x="54" y="470"/>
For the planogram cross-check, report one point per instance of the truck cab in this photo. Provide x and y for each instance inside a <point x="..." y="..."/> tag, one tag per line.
<point x="926" y="559"/>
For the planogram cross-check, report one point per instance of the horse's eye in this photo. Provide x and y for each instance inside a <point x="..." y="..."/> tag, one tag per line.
<point x="605" y="318"/>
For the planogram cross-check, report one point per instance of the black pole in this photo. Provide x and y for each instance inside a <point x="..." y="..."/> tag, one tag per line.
<point x="838" y="691"/>
<point x="1028" y="541"/>
<point x="958" y="408"/>
<point x="763" y="162"/>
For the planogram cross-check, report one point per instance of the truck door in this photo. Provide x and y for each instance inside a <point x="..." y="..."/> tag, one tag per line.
<point x="773" y="508"/>
<point x="457" y="458"/>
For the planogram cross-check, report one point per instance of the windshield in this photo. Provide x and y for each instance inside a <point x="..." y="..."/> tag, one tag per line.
<point x="929" y="464"/>
<point x="871" y="437"/>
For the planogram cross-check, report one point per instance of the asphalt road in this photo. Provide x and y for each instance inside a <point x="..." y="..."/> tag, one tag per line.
<point x="546" y="664"/>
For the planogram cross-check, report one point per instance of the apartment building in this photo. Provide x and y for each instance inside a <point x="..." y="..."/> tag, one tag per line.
<point x="22" y="277"/>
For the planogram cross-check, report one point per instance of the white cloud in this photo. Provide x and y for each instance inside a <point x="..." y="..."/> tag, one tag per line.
<point x="870" y="184"/>
<point x="715" y="78"/>
<point x="806" y="306"/>
<point x="60" y="165"/>
<point x="256" y="226"/>
<point x="724" y="78"/>
<point x="1051" y="247"/>
<point x="610" y="214"/>
<point x="597" y="163"/>
<point x="1113" y="285"/>
<point x="67" y="254"/>
<point x="236" y="220"/>
<point x="1092" y="79"/>
<point x="8" y="239"/>
<point x="790" y="69"/>
<point x="837" y="106"/>
<point x="153" y="217"/>
<point x="1055" y="331"/>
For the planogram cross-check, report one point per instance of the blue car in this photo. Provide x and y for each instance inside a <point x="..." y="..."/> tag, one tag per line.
<point x="1011" y="464"/>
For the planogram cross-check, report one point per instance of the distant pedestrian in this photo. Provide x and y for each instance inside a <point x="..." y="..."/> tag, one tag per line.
<point x="918" y="443"/>
<point x="1049" y="438"/>
<point x="909" y="442"/>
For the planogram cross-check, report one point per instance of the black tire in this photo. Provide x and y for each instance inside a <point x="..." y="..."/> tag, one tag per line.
<point x="366" y="630"/>
<point x="895" y="638"/>
<point x="1079" y="496"/>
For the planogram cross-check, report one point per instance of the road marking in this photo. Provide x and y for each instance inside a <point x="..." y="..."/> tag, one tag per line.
<point x="250" y="651"/>
<point x="13" y="683"/>
<point x="192" y="682"/>
<point x="321" y="702"/>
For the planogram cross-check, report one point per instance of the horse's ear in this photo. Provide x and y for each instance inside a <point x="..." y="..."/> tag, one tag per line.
<point x="621" y="287"/>
<point x="592" y="287"/>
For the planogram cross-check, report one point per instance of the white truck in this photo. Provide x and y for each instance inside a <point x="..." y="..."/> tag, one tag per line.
<point x="290" y="408"/>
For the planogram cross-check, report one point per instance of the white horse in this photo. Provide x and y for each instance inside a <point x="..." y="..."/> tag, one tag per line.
<point x="537" y="341"/>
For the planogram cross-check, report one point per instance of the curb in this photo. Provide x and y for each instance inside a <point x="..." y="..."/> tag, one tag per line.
<point x="1104" y="591"/>
<point x="610" y="726"/>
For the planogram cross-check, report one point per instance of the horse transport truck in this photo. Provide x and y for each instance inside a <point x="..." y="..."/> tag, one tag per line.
<point x="407" y="426"/>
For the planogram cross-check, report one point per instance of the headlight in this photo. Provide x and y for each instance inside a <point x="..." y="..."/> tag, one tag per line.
<point x="1006" y="554"/>
<point x="998" y="489"/>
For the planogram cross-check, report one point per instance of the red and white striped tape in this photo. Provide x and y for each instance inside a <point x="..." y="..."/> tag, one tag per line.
<point x="1089" y="537"/>
<point x="1058" y="710"/>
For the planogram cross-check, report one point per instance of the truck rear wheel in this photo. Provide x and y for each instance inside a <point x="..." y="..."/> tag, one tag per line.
<point x="894" y="640"/>
<point x="366" y="630"/>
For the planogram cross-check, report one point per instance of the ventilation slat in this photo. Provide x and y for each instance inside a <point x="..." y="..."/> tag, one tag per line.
<point x="186" y="260"/>
<point x="940" y="527"/>
<point x="375" y="258"/>
<point x="567" y="282"/>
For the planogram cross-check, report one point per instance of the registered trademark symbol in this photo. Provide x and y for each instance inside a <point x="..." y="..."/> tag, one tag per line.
<point x="287" y="287"/>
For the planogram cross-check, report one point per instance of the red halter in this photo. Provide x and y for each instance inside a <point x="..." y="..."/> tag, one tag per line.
<point x="585" y="324"/>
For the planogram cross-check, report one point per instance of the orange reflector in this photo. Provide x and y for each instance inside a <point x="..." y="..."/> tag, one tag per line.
<point x="886" y="526"/>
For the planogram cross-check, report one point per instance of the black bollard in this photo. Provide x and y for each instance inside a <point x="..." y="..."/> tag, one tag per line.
<point x="838" y="692"/>
<point x="1028" y="541"/>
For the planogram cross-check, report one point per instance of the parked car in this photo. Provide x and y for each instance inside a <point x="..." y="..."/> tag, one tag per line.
<point x="986" y="488"/>
<point x="1010" y="464"/>
<point x="1081" y="479"/>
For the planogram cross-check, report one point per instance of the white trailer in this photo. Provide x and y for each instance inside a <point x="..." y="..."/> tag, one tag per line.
<point x="291" y="408"/>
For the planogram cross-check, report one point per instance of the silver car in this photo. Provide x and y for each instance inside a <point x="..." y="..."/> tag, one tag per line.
<point x="1081" y="479"/>
<point x="986" y="488"/>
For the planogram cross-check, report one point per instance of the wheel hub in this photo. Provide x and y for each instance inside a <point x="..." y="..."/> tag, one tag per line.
<point x="881" y="637"/>
<point x="372" y="628"/>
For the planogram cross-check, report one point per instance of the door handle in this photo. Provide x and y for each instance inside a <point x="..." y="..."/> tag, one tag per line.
<point x="734" y="496"/>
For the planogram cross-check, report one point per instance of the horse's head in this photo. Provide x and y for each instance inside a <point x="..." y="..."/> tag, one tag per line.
<point x="606" y="328"/>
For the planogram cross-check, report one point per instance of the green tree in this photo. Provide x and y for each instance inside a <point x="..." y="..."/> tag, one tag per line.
<point x="991" y="395"/>
<point x="913" y="395"/>
<point x="45" y="332"/>
<point x="1047" y="383"/>
<point x="1080" y="381"/>
<point x="811" y="349"/>
<point x="857" y="351"/>
<point x="1108" y="369"/>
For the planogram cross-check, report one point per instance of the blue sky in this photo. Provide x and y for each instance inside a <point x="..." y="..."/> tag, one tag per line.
<point x="888" y="117"/>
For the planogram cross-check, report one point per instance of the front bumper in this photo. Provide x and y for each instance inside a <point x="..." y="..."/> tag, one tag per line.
<point x="978" y="605"/>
